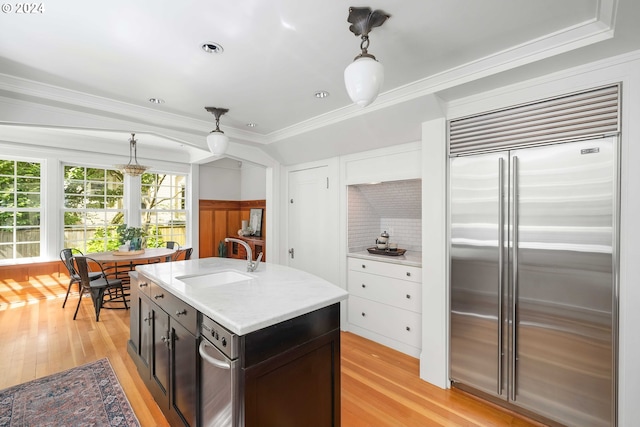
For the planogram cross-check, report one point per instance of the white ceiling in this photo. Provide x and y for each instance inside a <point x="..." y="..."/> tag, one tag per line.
<point x="91" y="67"/>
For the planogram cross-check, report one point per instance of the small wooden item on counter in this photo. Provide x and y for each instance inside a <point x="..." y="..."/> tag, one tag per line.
<point x="388" y="252"/>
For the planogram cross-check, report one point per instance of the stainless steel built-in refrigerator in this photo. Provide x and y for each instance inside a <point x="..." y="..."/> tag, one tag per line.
<point x="533" y="294"/>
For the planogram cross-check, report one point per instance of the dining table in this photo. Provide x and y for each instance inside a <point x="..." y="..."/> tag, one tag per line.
<point x="118" y="264"/>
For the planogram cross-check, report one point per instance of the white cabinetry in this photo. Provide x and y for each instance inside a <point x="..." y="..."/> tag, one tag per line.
<point x="385" y="303"/>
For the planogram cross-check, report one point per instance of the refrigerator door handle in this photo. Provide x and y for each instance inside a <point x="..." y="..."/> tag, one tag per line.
<point x="500" y="266"/>
<point x="514" y="270"/>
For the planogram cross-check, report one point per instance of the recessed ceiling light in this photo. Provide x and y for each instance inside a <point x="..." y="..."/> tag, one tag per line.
<point x="251" y="125"/>
<point x="212" y="47"/>
<point x="321" y="94"/>
<point x="156" y="100"/>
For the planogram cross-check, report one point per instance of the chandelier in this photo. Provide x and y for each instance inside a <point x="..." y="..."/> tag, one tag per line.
<point x="133" y="168"/>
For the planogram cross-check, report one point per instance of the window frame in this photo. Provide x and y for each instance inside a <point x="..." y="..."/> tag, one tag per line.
<point x="175" y="188"/>
<point x="15" y="209"/>
<point x="86" y="210"/>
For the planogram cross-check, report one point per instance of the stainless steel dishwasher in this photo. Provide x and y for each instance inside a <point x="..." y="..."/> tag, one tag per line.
<point x="219" y="381"/>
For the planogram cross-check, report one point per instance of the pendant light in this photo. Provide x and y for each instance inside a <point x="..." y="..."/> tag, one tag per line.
<point x="217" y="140"/>
<point x="132" y="168"/>
<point x="364" y="76"/>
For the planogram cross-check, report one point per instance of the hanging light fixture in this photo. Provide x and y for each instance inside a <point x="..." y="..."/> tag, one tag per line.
<point x="132" y="168"/>
<point x="217" y="140"/>
<point x="363" y="77"/>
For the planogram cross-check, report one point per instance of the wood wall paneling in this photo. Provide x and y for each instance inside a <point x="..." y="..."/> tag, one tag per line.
<point x="206" y="249"/>
<point x="234" y="222"/>
<point x="26" y="282"/>
<point x="223" y="218"/>
<point x="220" y="224"/>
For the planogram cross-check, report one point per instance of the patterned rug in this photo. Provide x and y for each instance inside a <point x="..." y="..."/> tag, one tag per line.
<point x="89" y="395"/>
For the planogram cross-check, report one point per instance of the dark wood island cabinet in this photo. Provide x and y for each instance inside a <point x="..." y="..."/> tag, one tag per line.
<point x="291" y="371"/>
<point x="164" y="346"/>
<point x="288" y="372"/>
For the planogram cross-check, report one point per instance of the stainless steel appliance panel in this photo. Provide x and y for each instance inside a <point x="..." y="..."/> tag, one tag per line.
<point x="218" y="384"/>
<point x="220" y="392"/>
<point x="533" y="317"/>
<point x="564" y="281"/>
<point x="477" y="206"/>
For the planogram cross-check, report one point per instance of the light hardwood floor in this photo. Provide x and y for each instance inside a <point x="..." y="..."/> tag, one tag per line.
<point x="380" y="386"/>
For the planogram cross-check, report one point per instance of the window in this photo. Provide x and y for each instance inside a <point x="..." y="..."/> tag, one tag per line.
<point x="20" y="209"/>
<point x="163" y="208"/>
<point x="93" y="208"/>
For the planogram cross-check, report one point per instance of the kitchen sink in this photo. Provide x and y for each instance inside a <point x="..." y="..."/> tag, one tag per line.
<point x="213" y="279"/>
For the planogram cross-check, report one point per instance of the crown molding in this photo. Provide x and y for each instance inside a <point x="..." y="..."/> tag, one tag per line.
<point x="568" y="39"/>
<point x="598" y="29"/>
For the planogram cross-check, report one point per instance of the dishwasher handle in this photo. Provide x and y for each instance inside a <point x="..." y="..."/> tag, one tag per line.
<point x="212" y="360"/>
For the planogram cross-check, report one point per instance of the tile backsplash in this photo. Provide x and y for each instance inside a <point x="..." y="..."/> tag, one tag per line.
<point x="394" y="207"/>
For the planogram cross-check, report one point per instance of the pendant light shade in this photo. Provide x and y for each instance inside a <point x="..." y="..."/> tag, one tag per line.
<point x="364" y="76"/>
<point x="363" y="79"/>
<point x="133" y="168"/>
<point x="217" y="140"/>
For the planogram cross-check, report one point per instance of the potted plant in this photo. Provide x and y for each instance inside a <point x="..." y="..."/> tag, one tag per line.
<point x="133" y="235"/>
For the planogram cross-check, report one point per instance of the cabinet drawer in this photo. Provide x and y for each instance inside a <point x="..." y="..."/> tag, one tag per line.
<point x="392" y="322"/>
<point x="395" y="271"/>
<point x="139" y="282"/>
<point x="179" y="310"/>
<point x="398" y="293"/>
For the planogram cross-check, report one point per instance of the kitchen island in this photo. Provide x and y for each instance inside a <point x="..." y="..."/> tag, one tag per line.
<point x="280" y="326"/>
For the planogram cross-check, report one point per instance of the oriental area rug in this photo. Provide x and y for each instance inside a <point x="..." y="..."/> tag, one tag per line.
<point x="89" y="395"/>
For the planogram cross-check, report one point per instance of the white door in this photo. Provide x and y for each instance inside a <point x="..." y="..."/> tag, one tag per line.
<point x="311" y="213"/>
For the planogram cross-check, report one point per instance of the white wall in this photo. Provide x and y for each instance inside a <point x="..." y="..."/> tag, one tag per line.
<point x="435" y="319"/>
<point x="220" y="180"/>
<point x="229" y="179"/>
<point x="252" y="182"/>
<point x="434" y="359"/>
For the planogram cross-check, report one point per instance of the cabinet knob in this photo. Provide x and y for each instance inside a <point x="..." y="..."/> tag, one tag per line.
<point x="158" y="296"/>
<point x="167" y="341"/>
<point x="143" y="284"/>
<point x="408" y="328"/>
<point x="363" y="314"/>
<point x="364" y="286"/>
<point x="364" y="266"/>
<point x="408" y="274"/>
<point x="408" y="296"/>
<point x="181" y="312"/>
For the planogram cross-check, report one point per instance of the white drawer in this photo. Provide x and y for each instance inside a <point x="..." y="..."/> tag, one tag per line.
<point x="396" y="271"/>
<point x="392" y="322"/>
<point x="398" y="293"/>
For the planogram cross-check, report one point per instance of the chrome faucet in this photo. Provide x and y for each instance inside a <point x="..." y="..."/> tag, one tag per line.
<point x="251" y="264"/>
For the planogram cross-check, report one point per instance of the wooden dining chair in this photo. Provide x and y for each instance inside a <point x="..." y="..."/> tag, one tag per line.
<point x="65" y="256"/>
<point x="98" y="287"/>
<point x="172" y="245"/>
<point x="182" y="254"/>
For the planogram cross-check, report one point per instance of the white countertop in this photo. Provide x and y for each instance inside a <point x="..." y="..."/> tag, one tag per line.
<point x="412" y="258"/>
<point x="273" y="294"/>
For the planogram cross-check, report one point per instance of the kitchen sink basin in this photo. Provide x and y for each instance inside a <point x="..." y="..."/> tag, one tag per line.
<point x="213" y="279"/>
